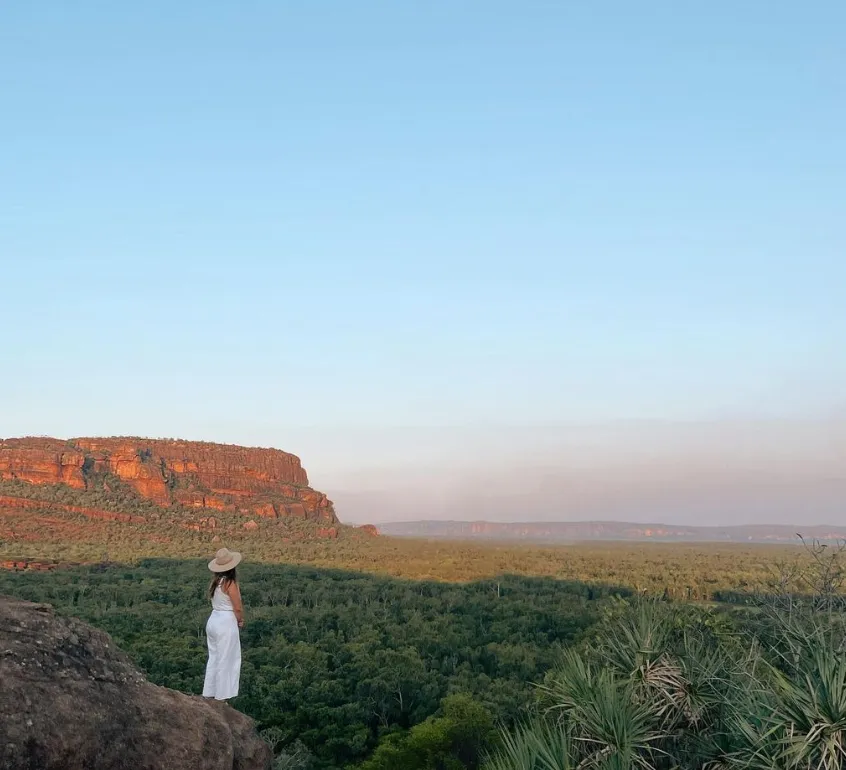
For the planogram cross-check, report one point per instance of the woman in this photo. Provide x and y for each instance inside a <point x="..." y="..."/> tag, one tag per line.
<point x="223" y="670"/>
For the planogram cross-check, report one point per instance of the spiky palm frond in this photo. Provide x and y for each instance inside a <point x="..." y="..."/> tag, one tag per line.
<point x="615" y="730"/>
<point x="664" y="688"/>
<point x="755" y="748"/>
<point x="638" y="638"/>
<point x="662" y="685"/>
<point x="570" y="685"/>
<point x="813" y="710"/>
<point x="609" y="723"/>
<point x="714" y="677"/>
<point x="533" y="746"/>
<point x="638" y="648"/>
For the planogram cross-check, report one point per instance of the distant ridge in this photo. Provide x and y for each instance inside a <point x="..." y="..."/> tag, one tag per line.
<point x="576" y="531"/>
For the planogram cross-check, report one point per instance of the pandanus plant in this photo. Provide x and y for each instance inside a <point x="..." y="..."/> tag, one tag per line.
<point x="667" y="688"/>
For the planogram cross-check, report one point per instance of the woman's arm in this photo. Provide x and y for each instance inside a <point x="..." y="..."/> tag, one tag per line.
<point x="234" y="593"/>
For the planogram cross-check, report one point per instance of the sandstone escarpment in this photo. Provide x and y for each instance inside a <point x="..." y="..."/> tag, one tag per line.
<point x="368" y="529"/>
<point x="43" y="461"/>
<point x="263" y="482"/>
<point x="70" y="700"/>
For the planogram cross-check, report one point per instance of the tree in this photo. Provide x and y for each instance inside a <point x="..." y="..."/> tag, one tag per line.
<point x="452" y="741"/>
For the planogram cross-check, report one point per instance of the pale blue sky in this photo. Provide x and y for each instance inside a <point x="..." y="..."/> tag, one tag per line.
<point x="249" y="221"/>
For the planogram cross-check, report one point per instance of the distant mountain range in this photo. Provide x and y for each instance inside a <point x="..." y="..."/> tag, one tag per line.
<point x="579" y="531"/>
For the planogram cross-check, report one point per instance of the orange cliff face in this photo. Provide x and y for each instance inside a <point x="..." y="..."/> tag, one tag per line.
<point x="369" y="529"/>
<point x="266" y="482"/>
<point x="43" y="463"/>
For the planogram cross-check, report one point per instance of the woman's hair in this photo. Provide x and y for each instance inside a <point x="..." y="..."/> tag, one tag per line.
<point x="220" y="578"/>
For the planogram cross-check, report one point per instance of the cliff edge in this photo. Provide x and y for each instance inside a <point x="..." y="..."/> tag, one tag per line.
<point x="70" y="700"/>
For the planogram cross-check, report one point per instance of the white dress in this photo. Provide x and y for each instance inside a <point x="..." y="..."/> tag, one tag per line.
<point x="223" y="670"/>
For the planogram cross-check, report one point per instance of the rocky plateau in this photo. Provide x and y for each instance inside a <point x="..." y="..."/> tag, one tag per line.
<point x="267" y="483"/>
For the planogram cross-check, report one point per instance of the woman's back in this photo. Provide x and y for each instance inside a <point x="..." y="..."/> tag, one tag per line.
<point x="220" y="601"/>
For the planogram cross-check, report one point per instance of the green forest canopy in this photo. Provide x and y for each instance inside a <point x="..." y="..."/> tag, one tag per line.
<point x="346" y="669"/>
<point x="334" y="660"/>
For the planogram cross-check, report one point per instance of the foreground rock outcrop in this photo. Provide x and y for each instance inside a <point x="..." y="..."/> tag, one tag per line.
<point x="70" y="700"/>
<point x="263" y="482"/>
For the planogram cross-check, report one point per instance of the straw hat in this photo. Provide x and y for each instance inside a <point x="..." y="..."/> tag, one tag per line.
<point x="224" y="560"/>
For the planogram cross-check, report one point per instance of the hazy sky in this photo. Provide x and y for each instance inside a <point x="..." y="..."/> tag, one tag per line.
<point x="397" y="238"/>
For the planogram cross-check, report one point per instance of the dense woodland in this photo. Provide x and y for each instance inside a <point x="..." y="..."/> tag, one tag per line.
<point x="348" y="670"/>
<point x="335" y="661"/>
<point x="375" y="653"/>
